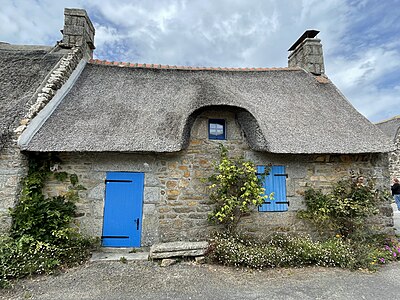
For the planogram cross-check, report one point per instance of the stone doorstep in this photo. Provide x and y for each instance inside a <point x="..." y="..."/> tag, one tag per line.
<point x="115" y="254"/>
<point x="123" y="249"/>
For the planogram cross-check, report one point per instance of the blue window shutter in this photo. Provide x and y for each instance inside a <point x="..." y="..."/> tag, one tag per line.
<point x="275" y="182"/>
<point x="279" y="184"/>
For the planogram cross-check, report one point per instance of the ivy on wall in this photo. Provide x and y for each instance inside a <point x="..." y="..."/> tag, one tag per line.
<point x="43" y="236"/>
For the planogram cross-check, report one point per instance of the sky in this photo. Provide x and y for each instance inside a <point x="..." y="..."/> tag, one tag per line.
<point x="360" y="38"/>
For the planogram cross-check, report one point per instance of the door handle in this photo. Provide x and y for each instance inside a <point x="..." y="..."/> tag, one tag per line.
<point x="137" y="223"/>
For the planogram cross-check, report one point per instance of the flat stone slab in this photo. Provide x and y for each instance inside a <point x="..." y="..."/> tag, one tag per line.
<point x="178" y="249"/>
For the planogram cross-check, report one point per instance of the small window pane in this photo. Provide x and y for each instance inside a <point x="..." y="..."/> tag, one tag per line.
<point x="216" y="129"/>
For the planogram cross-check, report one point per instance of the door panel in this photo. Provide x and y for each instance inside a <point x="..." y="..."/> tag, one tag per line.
<point x="123" y="209"/>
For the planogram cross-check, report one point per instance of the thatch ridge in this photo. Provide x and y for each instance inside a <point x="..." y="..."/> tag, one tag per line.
<point x="23" y="68"/>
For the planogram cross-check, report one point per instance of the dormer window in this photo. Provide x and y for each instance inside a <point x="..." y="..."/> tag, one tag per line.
<point x="216" y="129"/>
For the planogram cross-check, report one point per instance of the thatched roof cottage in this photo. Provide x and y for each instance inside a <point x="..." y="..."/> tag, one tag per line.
<point x="141" y="137"/>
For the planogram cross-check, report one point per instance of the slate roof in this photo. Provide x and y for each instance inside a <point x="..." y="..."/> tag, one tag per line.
<point x="390" y="127"/>
<point x="22" y="70"/>
<point x="133" y="108"/>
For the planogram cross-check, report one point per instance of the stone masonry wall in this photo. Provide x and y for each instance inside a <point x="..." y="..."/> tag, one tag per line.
<point x="176" y="200"/>
<point x="394" y="159"/>
<point x="13" y="167"/>
<point x="317" y="171"/>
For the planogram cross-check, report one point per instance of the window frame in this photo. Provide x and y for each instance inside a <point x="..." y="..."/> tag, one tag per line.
<point x="218" y="137"/>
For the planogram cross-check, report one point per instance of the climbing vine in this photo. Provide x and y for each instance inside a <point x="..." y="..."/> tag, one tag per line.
<point x="235" y="190"/>
<point x="45" y="218"/>
<point x="42" y="235"/>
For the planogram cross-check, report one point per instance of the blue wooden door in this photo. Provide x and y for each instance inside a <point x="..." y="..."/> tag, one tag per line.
<point x="122" y="225"/>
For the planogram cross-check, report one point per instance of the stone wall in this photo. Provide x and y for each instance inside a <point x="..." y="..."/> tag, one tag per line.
<point x="176" y="200"/>
<point x="13" y="167"/>
<point x="317" y="171"/>
<point x="394" y="159"/>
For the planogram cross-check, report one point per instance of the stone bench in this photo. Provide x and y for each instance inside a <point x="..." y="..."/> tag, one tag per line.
<point x="178" y="249"/>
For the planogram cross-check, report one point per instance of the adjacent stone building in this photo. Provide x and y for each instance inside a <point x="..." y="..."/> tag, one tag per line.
<point x="30" y="77"/>
<point x="391" y="128"/>
<point x="142" y="137"/>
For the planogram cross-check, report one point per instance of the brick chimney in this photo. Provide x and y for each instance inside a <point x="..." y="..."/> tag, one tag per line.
<point x="78" y="31"/>
<point x="307" y="53"/>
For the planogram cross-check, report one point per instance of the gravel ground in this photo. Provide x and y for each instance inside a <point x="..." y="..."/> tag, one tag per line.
<point x="147" y="280"/>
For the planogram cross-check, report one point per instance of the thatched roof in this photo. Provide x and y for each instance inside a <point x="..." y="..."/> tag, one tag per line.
<point x="390" y="127"/>
<point x="134" y="108"/>
<point x="22" y="70"/>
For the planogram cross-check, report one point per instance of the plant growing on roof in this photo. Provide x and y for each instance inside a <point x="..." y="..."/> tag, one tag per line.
<point x="235" y="190"/>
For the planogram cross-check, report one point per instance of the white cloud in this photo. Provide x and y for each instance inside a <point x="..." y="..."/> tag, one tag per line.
<point x="106" y="35"/>
<point x="360" y="38"/>
<point x="32" y="22"/>
<point x="363" y="81"/>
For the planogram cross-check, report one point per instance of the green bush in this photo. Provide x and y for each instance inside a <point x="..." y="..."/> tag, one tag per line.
<point x="42" y="236"/>
<point x="45" y="219"/>
<point x="377" y="250"/>
<point x="344" y="211"/>
<point x="25" y="256"/>
<point x="347" y="240"/>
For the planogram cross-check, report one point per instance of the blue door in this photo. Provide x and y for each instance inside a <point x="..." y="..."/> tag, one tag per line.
<point x="122" y="225"/>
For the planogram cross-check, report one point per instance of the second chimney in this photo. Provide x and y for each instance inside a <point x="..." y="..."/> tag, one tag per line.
<point x="307" y="53"/>
<point x="78" y="31"/>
